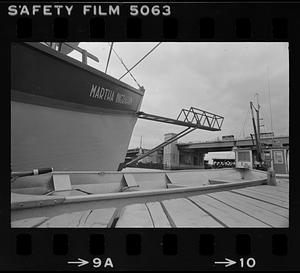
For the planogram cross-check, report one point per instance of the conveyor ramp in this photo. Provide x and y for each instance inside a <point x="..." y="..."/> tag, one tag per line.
<point x="192" y="118"/>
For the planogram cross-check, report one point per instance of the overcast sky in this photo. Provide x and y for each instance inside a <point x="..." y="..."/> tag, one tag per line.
<point x="220" y="78"/>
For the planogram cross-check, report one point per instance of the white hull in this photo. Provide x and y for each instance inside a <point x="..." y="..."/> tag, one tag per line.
<point x="68" y="140"/>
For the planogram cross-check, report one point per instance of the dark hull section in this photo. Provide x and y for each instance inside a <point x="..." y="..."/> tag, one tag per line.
<point x="67" y="115"/>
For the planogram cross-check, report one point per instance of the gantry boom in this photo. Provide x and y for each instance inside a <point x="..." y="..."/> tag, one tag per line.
<point x="193" y="119"/>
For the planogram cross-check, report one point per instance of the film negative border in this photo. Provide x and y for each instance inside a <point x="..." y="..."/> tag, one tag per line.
<point x="172" y="249"/>
<point x="149" y="249"/>
<point x="148" y="22"/>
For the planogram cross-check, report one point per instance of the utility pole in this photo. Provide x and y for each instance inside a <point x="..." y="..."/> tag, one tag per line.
<point x="141" y="141"/>
<point x="141" y="149"/>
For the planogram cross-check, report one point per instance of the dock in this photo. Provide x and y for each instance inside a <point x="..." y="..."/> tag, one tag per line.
<point x="259" y="206"/>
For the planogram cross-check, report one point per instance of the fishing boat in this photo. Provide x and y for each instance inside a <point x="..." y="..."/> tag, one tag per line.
<point x="66" y="114"/>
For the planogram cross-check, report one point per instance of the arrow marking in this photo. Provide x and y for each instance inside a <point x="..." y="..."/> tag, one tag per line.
<point x="80" y="262"/>
<point x="227" y="263"/>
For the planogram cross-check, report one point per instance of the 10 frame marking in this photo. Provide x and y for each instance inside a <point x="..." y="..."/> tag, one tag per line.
<point x="250" y="262"/>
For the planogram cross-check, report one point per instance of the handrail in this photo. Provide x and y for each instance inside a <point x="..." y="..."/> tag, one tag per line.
<point x="84" y="53"/>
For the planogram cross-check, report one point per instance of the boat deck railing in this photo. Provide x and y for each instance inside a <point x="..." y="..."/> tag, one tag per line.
<point x="84" y="53"/>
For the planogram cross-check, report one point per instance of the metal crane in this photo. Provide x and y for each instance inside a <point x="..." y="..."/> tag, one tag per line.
<point x="259" y="157"/>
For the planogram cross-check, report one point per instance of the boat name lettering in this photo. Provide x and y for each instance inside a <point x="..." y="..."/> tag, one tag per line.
<point x="102" y="93"/>
<point x="106" y="94"/>
<point x="123" y="99"/>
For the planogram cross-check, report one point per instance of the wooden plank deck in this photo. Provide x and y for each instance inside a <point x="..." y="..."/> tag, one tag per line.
<point x="227" y="215"/>
<point x="183" y="213"/>
<point x="29" y="223"/>
<point x="136" y="215"/>
<point x="82" y="219"/>
<point x="262" y="197"/>
<point x="158" y="216"/>
<point x="253" y="206"/>
<point x="253" y="210"/>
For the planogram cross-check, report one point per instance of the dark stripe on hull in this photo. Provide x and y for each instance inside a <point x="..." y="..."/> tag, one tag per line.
<point x="44" y="73"/>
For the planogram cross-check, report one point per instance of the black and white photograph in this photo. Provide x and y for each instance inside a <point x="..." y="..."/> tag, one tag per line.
<point x="149" y="134"/>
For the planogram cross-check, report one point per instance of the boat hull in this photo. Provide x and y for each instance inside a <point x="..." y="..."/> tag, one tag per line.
<point x="67" y="115"/>
<point x="67" y="140"/>
<point x="37" y="196"/>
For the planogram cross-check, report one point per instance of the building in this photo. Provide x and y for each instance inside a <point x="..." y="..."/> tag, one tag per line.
<point x="191" y="155"/>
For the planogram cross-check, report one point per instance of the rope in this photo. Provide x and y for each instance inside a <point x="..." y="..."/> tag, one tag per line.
<point x="111" y="46"/>
<point x="140" y="60"/>
<point x="120" y="59"/>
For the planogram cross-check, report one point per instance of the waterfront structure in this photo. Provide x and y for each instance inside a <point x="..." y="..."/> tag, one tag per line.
<point x="186" y="155"/>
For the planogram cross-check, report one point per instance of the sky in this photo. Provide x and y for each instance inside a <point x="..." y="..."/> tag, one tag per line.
<point x="221" y="78"/>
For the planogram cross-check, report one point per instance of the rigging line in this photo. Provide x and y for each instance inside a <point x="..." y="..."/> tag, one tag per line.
<point x="111" y="46"/>
<point x="272" y="130"/>
<point x="262" y="112"/>
<point x="120" y="59"/>
<point x="246" y="119"/>
<point x="256" y="95"/>
<point x="140" y="60"/>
